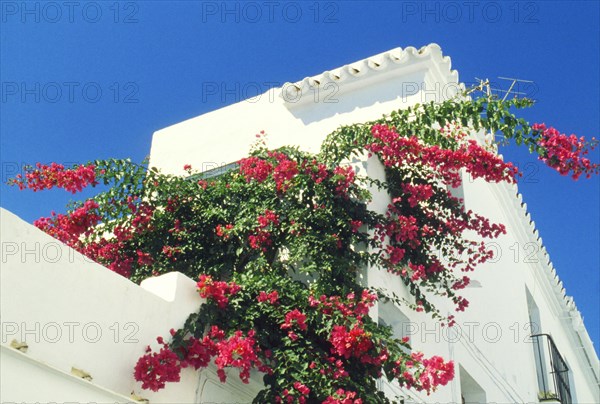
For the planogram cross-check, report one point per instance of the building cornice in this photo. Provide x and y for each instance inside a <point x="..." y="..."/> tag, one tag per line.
<point x="395" y="62"/>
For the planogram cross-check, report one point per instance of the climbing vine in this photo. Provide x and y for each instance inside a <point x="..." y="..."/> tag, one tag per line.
<point x="278" y="244"/>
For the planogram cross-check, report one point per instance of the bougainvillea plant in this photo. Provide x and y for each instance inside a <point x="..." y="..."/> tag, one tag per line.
<point x="278" y="243"/>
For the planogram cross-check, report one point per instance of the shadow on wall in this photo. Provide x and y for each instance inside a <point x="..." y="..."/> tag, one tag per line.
<point x="328" y="99"/>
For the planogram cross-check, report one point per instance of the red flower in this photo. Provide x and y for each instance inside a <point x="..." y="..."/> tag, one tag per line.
<point x="261" y="240"/>
<point x="565" y="153"/>
<point x="302" y="388"/>
<point x="294" y="316"/>
<point x="271" y="297"/>
<point x="267" y="218"/>
<point x="355" y="342"/>
<point x="56" y="175"/>
<point x="317" y="171"/>
<point x="344" y="178"/>
<point x="255" y="168"/>
<point x="284" y="171"/>
<point x="237" y="351"/>
<point x="396" y="150"/>
<point x="436" y="373"/>
<point x="343" y="397"/>
<point x="417" y="193"/>
<point x="144" y="258"/>
<point x="355" y="225"/>
<point x="155" y="369"/>
<point x="68" y="228"/>
<point x="216" y="290"/>
<point x="199" y="352"/>
<point x="224" y="231"/>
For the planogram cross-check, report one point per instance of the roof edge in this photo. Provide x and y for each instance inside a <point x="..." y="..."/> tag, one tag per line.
<point x="376" y="65"/>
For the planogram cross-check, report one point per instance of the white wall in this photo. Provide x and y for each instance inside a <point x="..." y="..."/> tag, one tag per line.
<point x="75" y="313"/>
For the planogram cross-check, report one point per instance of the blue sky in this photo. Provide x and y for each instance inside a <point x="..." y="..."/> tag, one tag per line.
<point x="94" y="80"/>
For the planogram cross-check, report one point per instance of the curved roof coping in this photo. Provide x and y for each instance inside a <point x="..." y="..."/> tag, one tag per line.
<point x="377" y="65"/>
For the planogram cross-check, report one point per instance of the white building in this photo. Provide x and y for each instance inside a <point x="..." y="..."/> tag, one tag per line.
<point x="76" y="314"/>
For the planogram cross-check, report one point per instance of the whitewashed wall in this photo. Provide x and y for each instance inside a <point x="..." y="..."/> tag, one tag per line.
<point x="75" y="313"/>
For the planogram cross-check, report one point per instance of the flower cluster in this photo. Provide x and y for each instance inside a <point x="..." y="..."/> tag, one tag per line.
<point x="261" y="238"/>
<point x="237" y="351"/>
<point x="69" y="228"/>
<point x="294" y="317"/>
<point x="396" y="151"/>
<point x="355" y="342"/>
<point x="351" y="307"/>
<point x="300" y="392"/>
<point x="113" y="253"/>
<point x="56" y="175"/>
<point x="317" y="171"/>
<point x="224" y="231"/>
<point x="156" y="368"/>
<point x="255" y="168"/>
<point x="424" y="374"/>
<point x="268" y="218"/>
<point x="271" y="297"/>
<point x="343" y="397"/>
<point x="199" y="352"/>
<point x="218" y="291"/>
<point x="436" y="373"/>
<point x="284" y="171"/>
<point x="74" y="227"/>
<point x="355" y="225"/>
<point x="424" y="217"/>
<point x="344" y="177"/>
<point x="565" y="153"/>
<point x="417" y="193"/>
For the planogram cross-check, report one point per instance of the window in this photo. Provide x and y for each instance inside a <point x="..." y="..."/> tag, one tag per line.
<point x="391" y="315"/>
<point x="538" y="353"/>
<point x="552" y="371"/>
<point x="470" y="391"/>
<point x="214" y="172"/>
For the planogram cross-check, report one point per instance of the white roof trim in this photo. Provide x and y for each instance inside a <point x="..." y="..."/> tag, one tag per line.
<point x="376" y="66"/>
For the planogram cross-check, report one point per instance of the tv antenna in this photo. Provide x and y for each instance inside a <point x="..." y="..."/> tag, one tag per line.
<point x="483" y="86"/>
<point x="514" y="81"/>
<point x="486" y="87"/>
